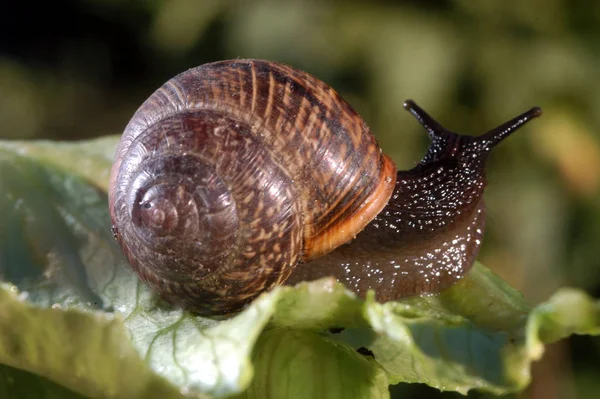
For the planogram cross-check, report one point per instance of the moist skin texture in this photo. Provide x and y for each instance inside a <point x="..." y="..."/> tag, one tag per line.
<point x="429" y="234"/>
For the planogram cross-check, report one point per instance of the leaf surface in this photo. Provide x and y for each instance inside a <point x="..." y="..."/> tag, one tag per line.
<point x="72" y="312"/>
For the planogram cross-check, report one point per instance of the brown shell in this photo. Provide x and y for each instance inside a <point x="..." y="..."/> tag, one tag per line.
<point x="247" y="167"/>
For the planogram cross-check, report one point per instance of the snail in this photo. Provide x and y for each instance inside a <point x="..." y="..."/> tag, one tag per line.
<point x="238" y="176"/>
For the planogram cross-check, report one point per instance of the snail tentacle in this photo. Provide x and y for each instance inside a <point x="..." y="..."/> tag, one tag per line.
<point x="428" y="236"/>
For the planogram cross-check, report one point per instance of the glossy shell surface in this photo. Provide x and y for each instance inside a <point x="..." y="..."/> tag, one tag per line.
<point x="232" y="172"/>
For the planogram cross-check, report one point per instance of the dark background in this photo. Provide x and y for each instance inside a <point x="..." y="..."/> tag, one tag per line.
<point x="79" y="69"/>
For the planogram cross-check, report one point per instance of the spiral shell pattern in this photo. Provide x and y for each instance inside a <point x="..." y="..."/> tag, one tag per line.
<point x="232" y="173"/>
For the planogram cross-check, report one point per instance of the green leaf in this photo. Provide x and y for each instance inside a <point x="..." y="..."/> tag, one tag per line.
<point x="306" y="364"/>
<point x="568" y="312"/>
<point x="19" y="384"/>
<point x="90" y="160"/>
<point x="72" y="312"/>
<point x="87" y="352"/>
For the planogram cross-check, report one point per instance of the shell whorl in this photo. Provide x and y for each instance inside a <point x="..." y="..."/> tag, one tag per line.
<point x="233" y="172"/>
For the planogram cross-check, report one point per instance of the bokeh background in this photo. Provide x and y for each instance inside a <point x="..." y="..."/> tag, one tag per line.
<point x="72" y="70"/>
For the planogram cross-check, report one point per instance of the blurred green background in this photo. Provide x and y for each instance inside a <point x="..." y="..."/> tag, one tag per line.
<point x="78" y="69"/>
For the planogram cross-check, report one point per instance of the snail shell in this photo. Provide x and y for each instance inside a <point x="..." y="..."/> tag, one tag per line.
<point x="233" y="172"/>
<point x="235" y="175"/>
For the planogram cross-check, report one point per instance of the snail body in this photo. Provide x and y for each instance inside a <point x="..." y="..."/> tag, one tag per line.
<point x="241" y="175"/>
